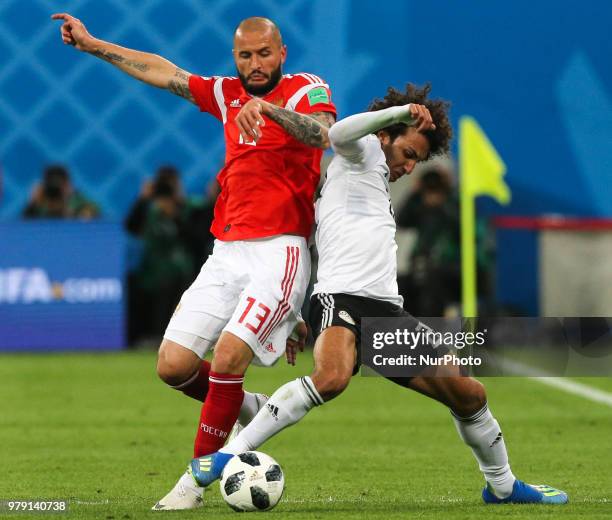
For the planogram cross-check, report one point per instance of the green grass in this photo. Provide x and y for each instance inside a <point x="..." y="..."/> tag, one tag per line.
<point x="103" y="432"/>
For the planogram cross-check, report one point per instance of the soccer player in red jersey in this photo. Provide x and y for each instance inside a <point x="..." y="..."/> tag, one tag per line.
<point x="246" y="300"/>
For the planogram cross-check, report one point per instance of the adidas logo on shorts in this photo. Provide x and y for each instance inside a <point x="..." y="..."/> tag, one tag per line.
<point x="343" y="315"/>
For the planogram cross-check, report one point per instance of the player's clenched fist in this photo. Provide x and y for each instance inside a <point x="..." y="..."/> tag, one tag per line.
<point x="74" y="32"/>
<point x="421" y="117"/>
<point x="250" y="121"/>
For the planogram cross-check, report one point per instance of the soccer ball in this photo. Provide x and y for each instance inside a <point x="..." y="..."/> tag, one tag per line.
<point x="252" y="481"/>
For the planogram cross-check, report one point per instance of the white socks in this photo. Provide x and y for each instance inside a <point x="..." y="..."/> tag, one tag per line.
<point x="292" y="401"/>
<point x="481" y="432"/>
<point x="250" y="406"/>
<point x="287" y="406"/>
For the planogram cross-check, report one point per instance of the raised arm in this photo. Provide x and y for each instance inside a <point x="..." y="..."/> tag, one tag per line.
<point x="309" y="129"/>
<point x="149" y="68"/>
<point x="345" y="134"/>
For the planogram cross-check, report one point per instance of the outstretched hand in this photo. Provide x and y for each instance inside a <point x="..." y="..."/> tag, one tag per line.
<point x="296" y="342"/>
<point x="74" y="31"/>
<point x="421" y="117"/>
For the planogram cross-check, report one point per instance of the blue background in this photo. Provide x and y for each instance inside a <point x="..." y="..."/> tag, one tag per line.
<point x="63" y="250"/>
<point x="536" y="75"/>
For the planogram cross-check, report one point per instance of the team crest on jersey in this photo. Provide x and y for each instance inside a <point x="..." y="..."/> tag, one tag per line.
<point x="235" y="103"/>
<point x="279" y="102"/>
<point x="343" y="315"/>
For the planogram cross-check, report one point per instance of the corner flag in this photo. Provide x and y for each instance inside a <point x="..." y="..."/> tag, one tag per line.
<point x="481" y="173"/>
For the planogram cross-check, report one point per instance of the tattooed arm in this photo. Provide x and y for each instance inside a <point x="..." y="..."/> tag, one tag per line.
<point x="149" y="68"/>
<point x="309" y="129"/>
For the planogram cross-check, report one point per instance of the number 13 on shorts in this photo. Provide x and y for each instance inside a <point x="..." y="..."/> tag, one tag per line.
<point x="254" y="316"/>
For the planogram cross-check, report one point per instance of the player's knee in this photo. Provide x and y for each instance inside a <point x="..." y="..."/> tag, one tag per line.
<point x="226" y="363"/>
<point x="171" y="373"/>
<point x="176" y="364"/>
<point x="231" y="360"/>
<point x="472" y="399"/>
<point x="331" y="383"/>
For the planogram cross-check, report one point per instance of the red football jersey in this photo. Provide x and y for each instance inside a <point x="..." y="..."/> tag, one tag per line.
<point x="267" y="188"/>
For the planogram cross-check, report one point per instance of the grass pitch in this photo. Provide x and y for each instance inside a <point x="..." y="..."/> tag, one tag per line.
<point x="104" y="433"/>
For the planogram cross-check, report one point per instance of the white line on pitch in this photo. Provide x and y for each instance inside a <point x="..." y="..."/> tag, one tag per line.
<point x="573" y="387"/>
<point x="561" y="383"/>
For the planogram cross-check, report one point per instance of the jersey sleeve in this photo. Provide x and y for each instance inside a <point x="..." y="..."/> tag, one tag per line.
<point x="310" y="94"/>
<point x="348" y="136"/>
<point x="203" y="91"/>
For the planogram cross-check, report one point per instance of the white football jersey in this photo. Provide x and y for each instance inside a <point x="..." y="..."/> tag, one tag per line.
<point x="356" y="226"/>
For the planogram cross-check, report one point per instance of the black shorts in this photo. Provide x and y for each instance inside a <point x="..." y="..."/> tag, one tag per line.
<point x="347" y="310"/>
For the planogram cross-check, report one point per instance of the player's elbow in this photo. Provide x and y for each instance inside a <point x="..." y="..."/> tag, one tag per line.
<point x="335" y="136"/>
<point x="325" y="142"/>
<point x="319" y="138"/>
<point x="341" y="138"/>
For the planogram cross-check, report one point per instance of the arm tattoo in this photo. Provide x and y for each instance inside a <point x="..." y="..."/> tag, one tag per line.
<point x="309" y="129"/>
<point x="325" y="118"/>
<point x="116" y="59"/>
<point x="180" y="86"/>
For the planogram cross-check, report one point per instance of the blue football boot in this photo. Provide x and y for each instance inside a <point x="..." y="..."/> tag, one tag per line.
<point x="205" y="470"/>
<point x="526" y="494"/>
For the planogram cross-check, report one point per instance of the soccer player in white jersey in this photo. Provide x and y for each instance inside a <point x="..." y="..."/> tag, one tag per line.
<point x="357" y="278"/>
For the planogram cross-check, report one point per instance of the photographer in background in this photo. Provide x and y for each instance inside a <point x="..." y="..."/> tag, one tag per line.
<point x="432" y="286"/>
<point x="55" y="197"/>
<point x="201" y="215"/>
<point x="172" y="235"/>
<point x="432" y="210"/>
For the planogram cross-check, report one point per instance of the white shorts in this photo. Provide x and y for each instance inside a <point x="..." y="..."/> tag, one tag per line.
<point x="253" y="289"/>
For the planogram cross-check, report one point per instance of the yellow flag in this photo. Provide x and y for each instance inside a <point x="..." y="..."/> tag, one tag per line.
<point x="482" y="170"/>
<point x="481" y="173"/>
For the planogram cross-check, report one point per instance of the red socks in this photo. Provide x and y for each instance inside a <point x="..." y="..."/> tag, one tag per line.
<point x="222" y="395"/>
<point x="197" y="386"/>
<point x="219" y="412"/>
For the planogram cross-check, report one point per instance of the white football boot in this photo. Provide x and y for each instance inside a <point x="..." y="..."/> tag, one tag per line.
<point x="186" y="494"/>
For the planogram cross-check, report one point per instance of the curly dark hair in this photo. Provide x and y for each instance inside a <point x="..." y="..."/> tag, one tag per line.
<point x="439" y="139"/>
